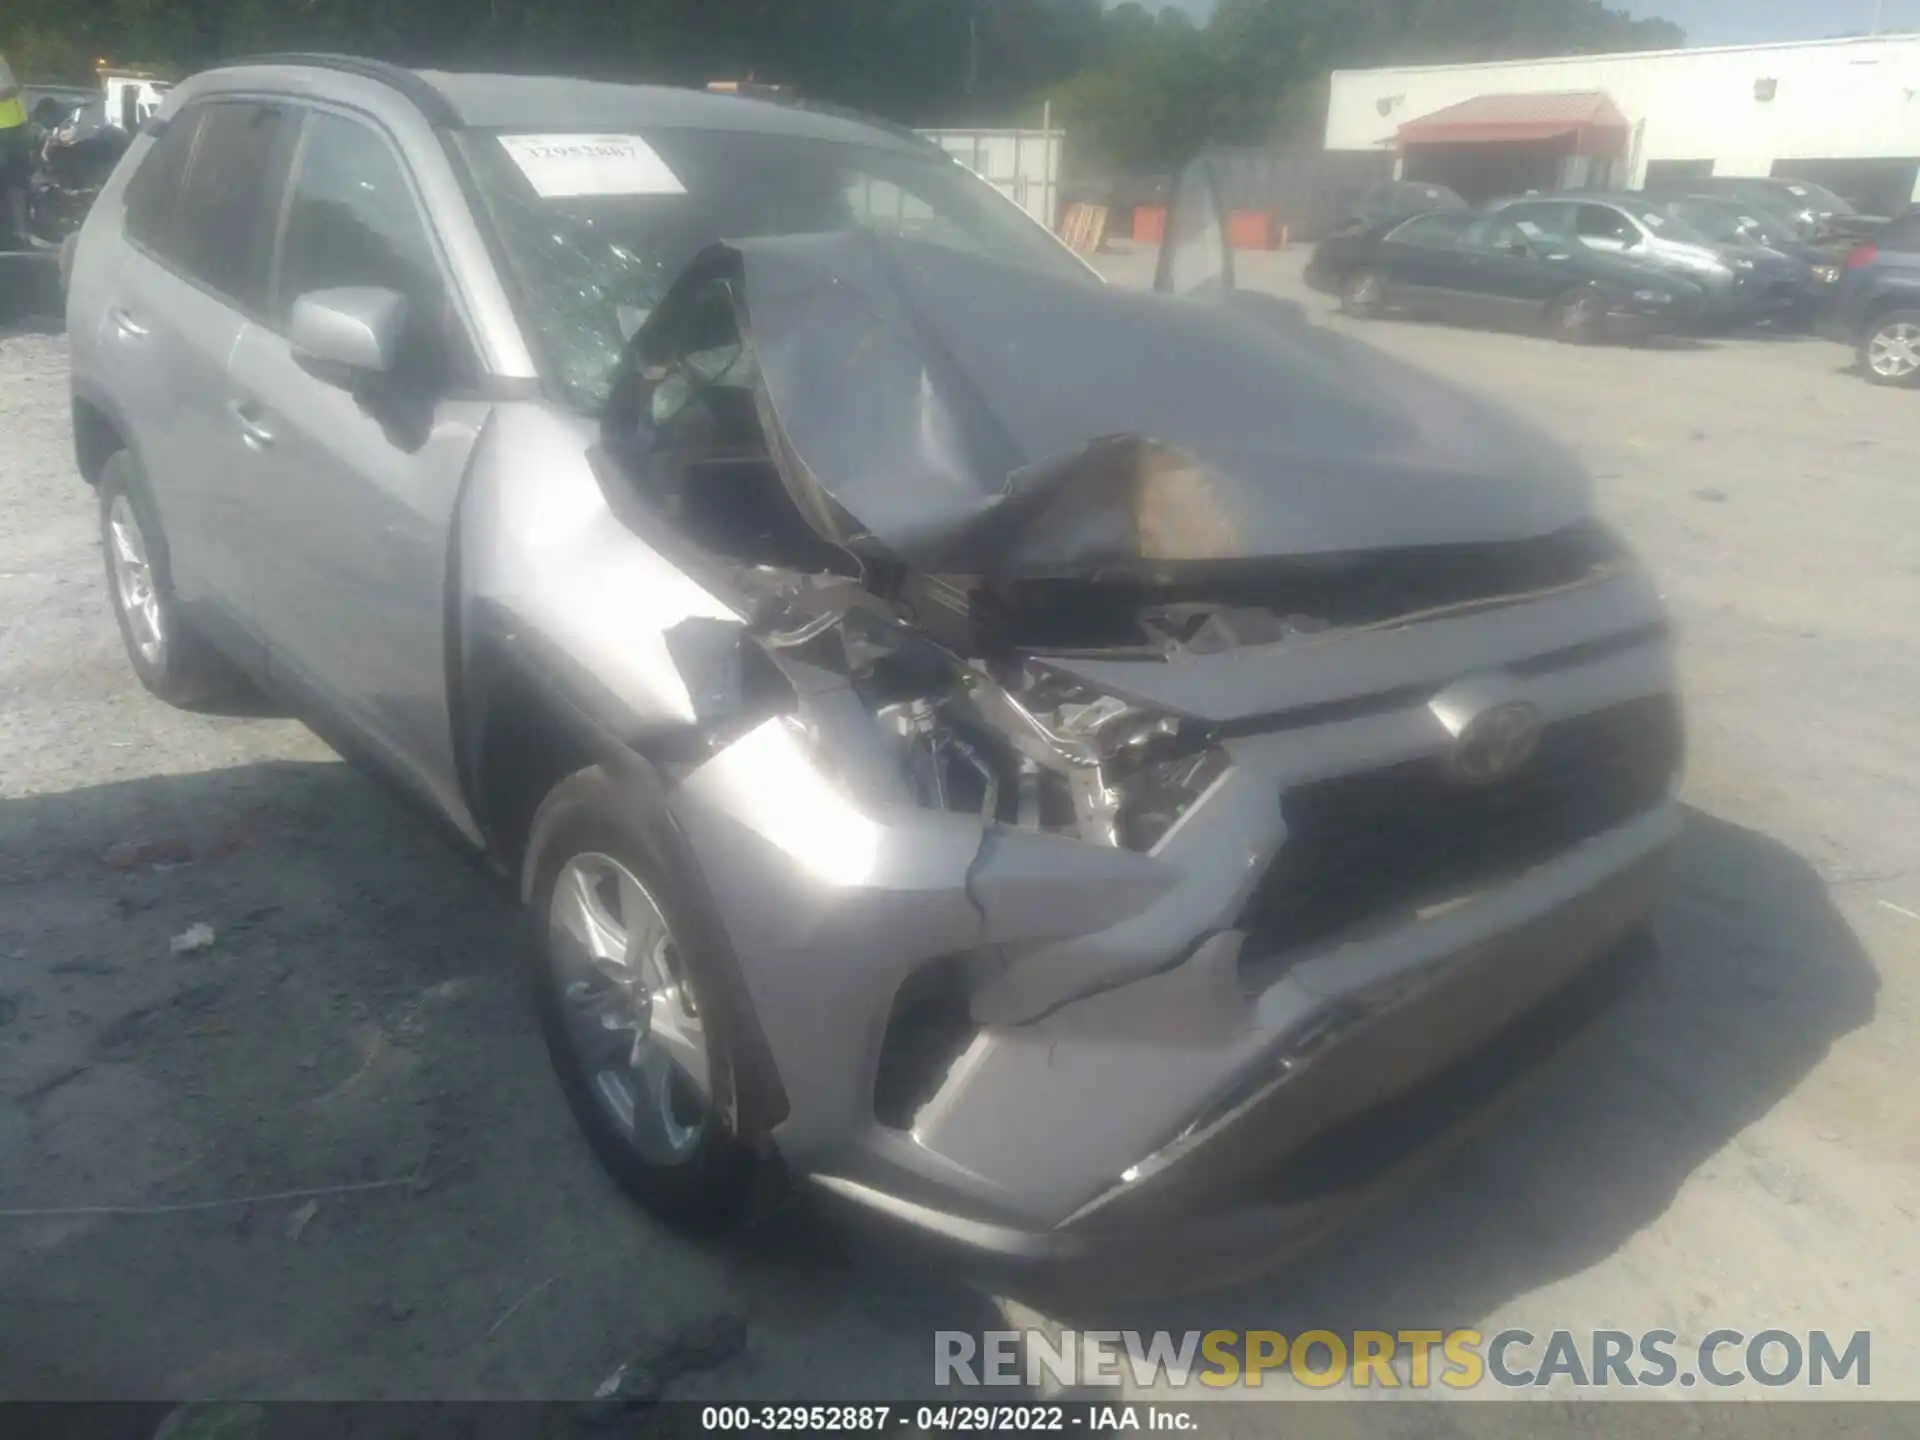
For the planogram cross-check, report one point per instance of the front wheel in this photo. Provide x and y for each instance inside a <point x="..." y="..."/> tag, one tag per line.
<point x="624" y="999"/>
<point x="1364" y="295"/>
<point x="1890" y="350"/>
<point x="1580" y="316"/>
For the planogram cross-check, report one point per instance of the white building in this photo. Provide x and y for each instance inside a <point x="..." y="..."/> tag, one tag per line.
<point x="1844" y="113"/>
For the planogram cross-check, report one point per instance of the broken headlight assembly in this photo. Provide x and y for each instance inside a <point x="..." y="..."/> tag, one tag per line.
<point x="1027" y="746"/>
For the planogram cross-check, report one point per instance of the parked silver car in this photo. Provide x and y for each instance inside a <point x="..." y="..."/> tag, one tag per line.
<point x="1739" y="282"/>
<point x="1030" y="755"/>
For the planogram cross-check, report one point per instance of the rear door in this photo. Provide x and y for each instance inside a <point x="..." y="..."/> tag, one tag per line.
<point x="198" y="220"/>
<point x="1424" y="263"/>
<point x="356" y="483"/>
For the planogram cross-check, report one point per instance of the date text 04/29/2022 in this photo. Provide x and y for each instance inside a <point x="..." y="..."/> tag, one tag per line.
<point x="957" y="1418"/>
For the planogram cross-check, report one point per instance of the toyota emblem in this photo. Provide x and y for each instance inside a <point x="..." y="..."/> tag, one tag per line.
<point x="1495" y="743"/>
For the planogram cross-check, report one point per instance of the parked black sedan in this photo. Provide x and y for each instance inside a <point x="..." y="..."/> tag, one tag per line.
<point x="1492" y="270"/>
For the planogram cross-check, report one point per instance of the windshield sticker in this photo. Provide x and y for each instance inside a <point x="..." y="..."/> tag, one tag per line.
<point x="1656" y="221"/>
<point x="563" y="167"/>
<point x="1527" y="227"/>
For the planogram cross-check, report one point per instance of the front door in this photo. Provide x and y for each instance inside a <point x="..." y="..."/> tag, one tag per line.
<point x="1516" y="279"/>
<point x="359" y="480"/>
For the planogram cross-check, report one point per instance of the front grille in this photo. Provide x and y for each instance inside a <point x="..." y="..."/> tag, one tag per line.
<point x="1374" y="846"/>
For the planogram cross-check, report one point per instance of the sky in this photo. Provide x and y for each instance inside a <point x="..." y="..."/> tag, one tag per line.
<point x="1740" y="22"/>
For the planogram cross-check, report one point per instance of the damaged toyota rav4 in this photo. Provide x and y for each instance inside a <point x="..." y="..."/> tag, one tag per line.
<point x="1029" y="756"/>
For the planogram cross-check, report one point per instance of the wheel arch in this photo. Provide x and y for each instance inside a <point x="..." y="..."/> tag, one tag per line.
<point x="97" y="434"/>
<point x="1880" y="306"/>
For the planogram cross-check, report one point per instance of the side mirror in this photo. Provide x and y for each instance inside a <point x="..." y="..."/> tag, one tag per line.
<point x="1519" y="249"/>
<point x="353" y="331"/>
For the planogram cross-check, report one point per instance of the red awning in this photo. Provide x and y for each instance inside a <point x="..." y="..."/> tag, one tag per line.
<point x="1587" y="117"/>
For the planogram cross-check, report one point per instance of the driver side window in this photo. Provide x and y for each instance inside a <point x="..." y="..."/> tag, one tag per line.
<point x="352" y="221"/>
<point x="1597" y="222"/>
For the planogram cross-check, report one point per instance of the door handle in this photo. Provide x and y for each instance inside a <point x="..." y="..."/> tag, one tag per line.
<point x="254" y="432"/>
<point x="124" y="321"/>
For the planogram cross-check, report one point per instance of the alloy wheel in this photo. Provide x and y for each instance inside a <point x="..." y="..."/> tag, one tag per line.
<point x="629" y="1008"/>
<point x="134" y="583"/>
<point x="1894" y="351"/>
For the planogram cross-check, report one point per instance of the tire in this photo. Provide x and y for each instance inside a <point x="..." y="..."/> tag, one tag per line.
<point x="1580" y="316"/>
<point x="1363" y="295"/>
<point x="598" y="885"/>
<point x="1890" y="349"/>
<point x="167" y="654"/>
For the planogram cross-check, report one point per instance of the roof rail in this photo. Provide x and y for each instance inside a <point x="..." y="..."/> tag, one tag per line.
<point x="430" y="101"/>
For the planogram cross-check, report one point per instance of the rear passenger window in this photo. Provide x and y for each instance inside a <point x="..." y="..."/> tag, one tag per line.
<point x="352" y="220"/>
<point x="153" y="191"/>
<point x="222" y="235"/>
<point x="1433" y="232"/>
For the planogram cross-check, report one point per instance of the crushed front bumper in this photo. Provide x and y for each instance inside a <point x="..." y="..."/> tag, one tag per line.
<point x="1137" y="1047"/>
<point x="1435" y="1021"/>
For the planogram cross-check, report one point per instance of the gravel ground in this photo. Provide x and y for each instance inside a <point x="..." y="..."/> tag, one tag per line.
<point x="1737" y="1144"/>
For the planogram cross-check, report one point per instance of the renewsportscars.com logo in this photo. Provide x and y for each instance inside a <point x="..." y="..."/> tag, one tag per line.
<point x="1404" y="1359"/>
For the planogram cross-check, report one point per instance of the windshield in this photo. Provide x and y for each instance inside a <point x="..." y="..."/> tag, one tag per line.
<point x="596" y="228"/>
<point x="1816" y="197"/>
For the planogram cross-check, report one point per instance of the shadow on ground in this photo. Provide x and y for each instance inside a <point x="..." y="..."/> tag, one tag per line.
<point x="360" y="1019"/>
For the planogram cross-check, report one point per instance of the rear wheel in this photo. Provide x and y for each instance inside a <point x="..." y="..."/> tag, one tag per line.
<point x="644" y="1059"/>
<point x="1890" y="350"/>
<point x="1580" y="316"/>
<point x="1363" y="295"/>
<point x="167" y="655"/>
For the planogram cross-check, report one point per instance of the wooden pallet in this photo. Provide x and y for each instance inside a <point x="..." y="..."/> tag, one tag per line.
<point x="1085" y="227"/>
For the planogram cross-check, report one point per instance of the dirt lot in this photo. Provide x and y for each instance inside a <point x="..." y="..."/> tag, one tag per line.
<point x="1738" y="1144"/>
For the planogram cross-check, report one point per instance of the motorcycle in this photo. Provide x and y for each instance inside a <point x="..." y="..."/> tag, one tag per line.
<point x="75" y="160"/>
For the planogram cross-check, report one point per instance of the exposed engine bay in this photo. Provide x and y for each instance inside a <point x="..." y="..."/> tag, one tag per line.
<point x="944" y="610"/>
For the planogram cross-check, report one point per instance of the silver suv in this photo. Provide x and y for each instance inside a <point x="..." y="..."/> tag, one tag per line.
<point x="1032" y="756"/>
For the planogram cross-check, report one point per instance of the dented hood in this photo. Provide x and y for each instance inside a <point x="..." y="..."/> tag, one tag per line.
<point x="971" y="417"/>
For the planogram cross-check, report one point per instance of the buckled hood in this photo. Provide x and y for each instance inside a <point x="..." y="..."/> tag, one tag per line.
<point x="966" y="416"/>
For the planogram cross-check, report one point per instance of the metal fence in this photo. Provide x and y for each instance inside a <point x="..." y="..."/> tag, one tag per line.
<point x="1307" y="191"/>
